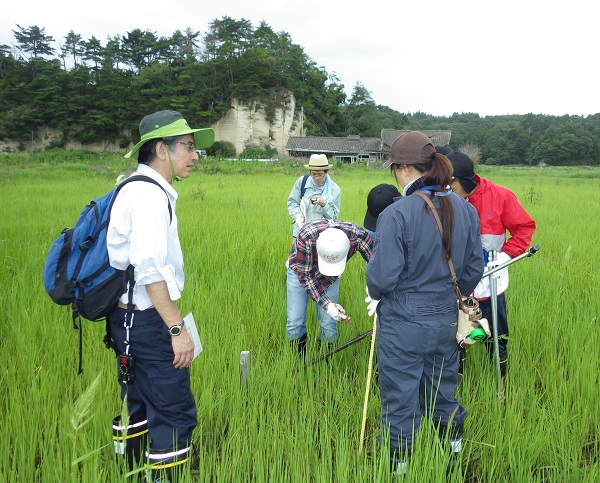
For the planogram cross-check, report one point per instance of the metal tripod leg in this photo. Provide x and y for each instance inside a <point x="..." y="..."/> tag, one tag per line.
<point x="494" y="302"/>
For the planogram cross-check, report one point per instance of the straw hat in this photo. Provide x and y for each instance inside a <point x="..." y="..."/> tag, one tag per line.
<point x="318" y="162"/>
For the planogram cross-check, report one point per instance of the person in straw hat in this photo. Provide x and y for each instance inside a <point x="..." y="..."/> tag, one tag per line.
<point x="408" y="273"/>
<point x="155" y="352"/>
<point x="314" y="195"/>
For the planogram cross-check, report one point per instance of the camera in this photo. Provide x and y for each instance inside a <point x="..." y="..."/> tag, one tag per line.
<point x="126" y="375"/>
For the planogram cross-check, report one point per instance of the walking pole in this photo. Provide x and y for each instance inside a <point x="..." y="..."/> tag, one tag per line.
<point x="368" y="386"/>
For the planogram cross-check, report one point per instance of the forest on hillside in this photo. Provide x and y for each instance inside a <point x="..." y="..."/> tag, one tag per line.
<point x="93" y="91"/>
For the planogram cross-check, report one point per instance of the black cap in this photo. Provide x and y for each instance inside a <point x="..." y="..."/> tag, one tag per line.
<point x="379" y="199"/>
<point x="464" y="170"/>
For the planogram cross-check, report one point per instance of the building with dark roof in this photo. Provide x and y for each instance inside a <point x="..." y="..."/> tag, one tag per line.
<point x="351" y="149"/>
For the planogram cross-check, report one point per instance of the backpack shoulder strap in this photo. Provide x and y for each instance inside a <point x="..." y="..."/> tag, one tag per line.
<point x="142" y="177"/>
<point x="303" y="185"/>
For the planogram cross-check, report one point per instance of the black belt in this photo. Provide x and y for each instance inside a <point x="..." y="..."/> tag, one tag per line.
<point x="122" y="305"/>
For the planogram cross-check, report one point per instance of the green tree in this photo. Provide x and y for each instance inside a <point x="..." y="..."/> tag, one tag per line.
<point x="93" y="52"/>
<point x="221" y="149"/>
<point x="362" y="113"/>
<point x="33" y="41"/>
<point x="72" y="47"/>
<point x="113" y="54"/>
<point x="564" y="147"/>
<point x="136" y="48"/>
<point x="183" y="46"/>
<point x="225" y="41"/>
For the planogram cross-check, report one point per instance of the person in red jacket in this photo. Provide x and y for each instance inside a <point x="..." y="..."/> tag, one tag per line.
<point x="500" y="212"/>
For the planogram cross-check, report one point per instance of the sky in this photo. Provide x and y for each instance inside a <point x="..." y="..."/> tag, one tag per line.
<point x="439" y="57"/>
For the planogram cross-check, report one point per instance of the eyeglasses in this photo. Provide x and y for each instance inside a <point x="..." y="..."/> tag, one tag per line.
<point x="321" y="171"/>
<point x="191" y="146"/>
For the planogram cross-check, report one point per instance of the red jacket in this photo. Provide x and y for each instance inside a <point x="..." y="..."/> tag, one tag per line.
<point x="500" y="211"/>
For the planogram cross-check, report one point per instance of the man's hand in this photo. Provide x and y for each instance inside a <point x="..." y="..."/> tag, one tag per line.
<point x="300" y="221"/>
<point x="183" y="348"/>
<point x="336" y="312"/>
<point x="371" y="304"/>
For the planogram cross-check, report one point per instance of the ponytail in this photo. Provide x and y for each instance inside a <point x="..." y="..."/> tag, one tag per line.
<point x="439" y="172"/>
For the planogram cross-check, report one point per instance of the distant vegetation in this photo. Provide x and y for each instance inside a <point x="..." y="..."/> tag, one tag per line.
<point x="92" y="91"/>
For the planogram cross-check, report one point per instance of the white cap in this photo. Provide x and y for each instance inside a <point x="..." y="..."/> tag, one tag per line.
<point x="332" y="247"/>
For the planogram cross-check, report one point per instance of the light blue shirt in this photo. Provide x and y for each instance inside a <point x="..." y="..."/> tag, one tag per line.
<point x="303" y="207"/>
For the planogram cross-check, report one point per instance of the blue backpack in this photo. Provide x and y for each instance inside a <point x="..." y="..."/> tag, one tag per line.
<point x="77" y="270"/>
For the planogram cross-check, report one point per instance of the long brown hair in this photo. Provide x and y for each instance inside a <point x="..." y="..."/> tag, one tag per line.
<point x="439" y="172"/>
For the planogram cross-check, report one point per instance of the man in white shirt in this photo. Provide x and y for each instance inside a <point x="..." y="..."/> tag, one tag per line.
<point x="153" y="347"/>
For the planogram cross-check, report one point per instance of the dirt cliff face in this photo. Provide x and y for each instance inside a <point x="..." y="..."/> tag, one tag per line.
<point x="246" y="126"/>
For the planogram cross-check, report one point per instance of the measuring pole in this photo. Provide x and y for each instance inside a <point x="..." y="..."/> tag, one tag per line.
<point x="244" y="368"/>
<point x="368" y="385"/>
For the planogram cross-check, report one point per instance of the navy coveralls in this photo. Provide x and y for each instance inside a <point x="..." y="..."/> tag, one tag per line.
<point x="417" y="351"/>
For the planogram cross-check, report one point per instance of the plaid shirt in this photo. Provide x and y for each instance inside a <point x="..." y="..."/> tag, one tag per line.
<point x="303" y="259"/>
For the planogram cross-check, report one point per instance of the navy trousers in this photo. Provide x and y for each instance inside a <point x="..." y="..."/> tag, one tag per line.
<point x="417" y="357"/>
<point x="160" y="393"/>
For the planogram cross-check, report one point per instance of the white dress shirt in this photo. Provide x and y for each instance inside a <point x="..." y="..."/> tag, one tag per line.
<point x="141" y="233"/>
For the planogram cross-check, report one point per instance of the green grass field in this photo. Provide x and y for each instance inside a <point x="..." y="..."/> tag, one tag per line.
<point x="293" y="423"/>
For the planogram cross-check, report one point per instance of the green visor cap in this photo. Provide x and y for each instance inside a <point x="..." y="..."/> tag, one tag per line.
<point x="164" y="124"/>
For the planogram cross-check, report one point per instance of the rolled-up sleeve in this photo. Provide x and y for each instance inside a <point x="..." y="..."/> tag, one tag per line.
<point x="143" y="234"/>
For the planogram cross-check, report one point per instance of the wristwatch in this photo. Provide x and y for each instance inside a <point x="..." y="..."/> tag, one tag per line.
<point x="176" y="329"/>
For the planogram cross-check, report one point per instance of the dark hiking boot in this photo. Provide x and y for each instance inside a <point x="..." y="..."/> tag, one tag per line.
<point x="503" y="364"/>
<point x="300" y="345"/>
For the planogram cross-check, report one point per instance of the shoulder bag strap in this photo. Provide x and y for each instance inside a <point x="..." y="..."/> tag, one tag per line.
<point x="439" y="224"/>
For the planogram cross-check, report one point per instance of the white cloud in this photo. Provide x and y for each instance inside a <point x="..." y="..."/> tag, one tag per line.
<point x="438" y="57"/>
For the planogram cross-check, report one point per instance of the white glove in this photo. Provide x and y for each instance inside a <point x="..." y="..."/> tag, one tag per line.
<point x="336" y="312"/>
<point x="467" y="339"/>
<point x="501" y="258"/>
<point x="299" y="221"/>
<point x="371" y="304"/>
<point x="483" y="288"/>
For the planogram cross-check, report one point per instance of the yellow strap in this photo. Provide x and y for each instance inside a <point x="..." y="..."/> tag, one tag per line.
<point x="129" y="435"/>
<point x="168" y="465"/>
